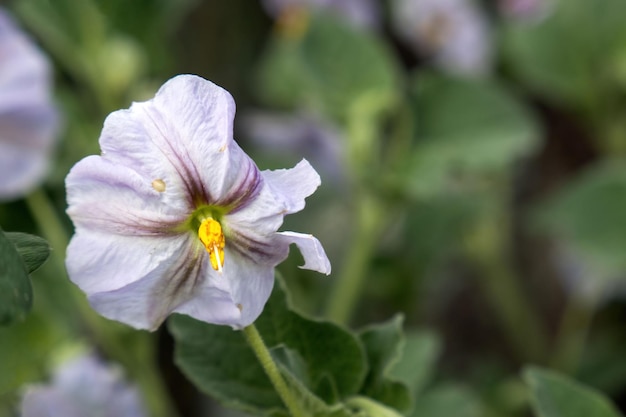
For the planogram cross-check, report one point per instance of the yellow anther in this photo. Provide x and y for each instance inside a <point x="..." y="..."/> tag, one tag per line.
<point x="211" y="236"/>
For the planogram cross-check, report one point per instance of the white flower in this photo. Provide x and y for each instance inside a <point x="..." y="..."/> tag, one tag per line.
<point x="28" y="119"/>
<point x="175" y="217"/>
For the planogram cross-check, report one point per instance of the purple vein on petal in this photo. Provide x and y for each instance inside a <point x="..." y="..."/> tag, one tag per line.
<point x="250" y="248"/>
<point x="245" y="191"/>
<point x="182" y="278"/>
<point x="196" y="191"/>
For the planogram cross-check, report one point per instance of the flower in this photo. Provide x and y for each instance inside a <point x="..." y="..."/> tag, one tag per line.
<point x="532" y="11"/>
<point x="454" y="33"/>
<point x="175" y="217"/>
<point x="28" y="119"/>
<point x="83" y="386"/>
<point x="299" y="133"/>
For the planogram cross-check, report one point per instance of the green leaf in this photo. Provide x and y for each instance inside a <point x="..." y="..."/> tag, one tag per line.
<point x="344" y="63"/>
<point x="573" y="53"/>
<point x="326" y="359"/>
<point x="330" y="67"/>
<point x="280" y="80"/>
<point x="467" y="128"/>
<point x="16" y="293"/>
<point x="33" y="249"/>
<point x="555" y="395"/>
<point x="446" y="401"/>
<point x="25" y="349"/>
<point x="330" y="352"/>
<point x="383" y="346"/>
<point x="417" y="363"/>
<point x="219" y="362"/>
<point x="288" y="360"/>
<point x="589" y="216"/>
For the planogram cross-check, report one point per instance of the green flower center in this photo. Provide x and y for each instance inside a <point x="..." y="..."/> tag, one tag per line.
<point x="205" y="222"/>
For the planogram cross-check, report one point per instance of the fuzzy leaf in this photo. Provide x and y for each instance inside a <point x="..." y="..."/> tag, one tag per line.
<point x="326" y="360"/>
<point x="417" y="362"/>
<point x="33" y="249"/>
<point x="329" y="67"/>
<point x="556" y="395"/>
<point x="571" y="55"/>
<point x="383" y="346"/>
<point x="25" y="349"/>
<point x="16" y="293"/>
<point x="466" y="128"/>
<point x="447" y="400"/>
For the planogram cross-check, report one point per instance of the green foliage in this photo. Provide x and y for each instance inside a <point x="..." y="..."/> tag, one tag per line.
<point x="447" y="400"/>
<point x="574" y="55"/>
<point x="415" y="367"/>
<point x="435" y="162"/>
<point x="466" y="128"/>
<point x="590" y="213"/>
<point x="328" y="361"/>
<point x="384" y="347"/>
<point x="555" y="395"/>
<point x="330" y="68"/>
<point x="588" y="217"/>
<point x="330" y="371"/>
<point x="16" y="293"/>
<point x="33" y="250"/>
<point x="25" y="348"/>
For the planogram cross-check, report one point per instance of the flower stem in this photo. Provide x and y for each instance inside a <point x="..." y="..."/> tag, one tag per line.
<point x="572" y="334"/>
<point x="353" y="272"/>
<point x="254" y="339"/>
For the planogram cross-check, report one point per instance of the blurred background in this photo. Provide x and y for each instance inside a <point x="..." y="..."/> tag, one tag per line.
<point x="473" y="164"/>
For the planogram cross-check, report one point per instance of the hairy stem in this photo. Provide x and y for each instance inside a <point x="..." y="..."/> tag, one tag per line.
<point x="254" y="339"/>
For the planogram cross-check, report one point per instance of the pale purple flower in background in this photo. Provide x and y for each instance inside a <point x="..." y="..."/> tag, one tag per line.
<point x="590" y="280"/>
<point x="28" y="119"/>
<point x="299" y="133"/>
<point x="175" y="217"/>
<point x="526" y="10"/>
<point x="84" y="386"/>
<point x="454" y="34"/>
<point x="361" y="13"/>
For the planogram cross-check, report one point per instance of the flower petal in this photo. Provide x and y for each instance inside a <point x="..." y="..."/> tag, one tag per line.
<point x="106" y="196"/>
<point x="184" y="137"/>
<point x="21" y="168"/>
<point x="145" y="303"/>
<point x="312" y="251"/>
<point x="293" y="185"/>
<point x="83" y="386"/>
<point x="47" y="401"/>
<point x="213" y="305"/>
<point x="283" y="192"/>
<point x="98" y="262"/>
<point x="250" y="284"/>
<point x="28" y="119"/>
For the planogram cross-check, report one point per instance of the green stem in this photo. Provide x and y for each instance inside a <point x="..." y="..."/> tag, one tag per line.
<point x="572" y="334"/>
<point x="488" y="251"/>
<point x="259" y="348"/>
<point x="77" y="311"/>
<point x="48" y="222"/>
<point x="354" y="270"/>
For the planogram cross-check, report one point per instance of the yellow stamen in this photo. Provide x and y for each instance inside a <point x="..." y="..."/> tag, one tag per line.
<point x="211" y="236"/>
